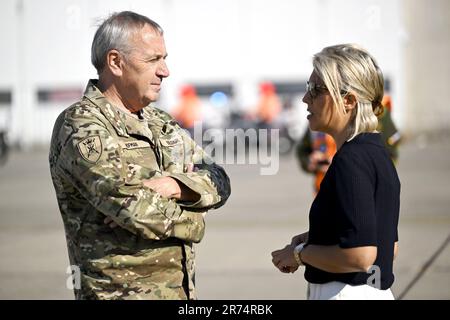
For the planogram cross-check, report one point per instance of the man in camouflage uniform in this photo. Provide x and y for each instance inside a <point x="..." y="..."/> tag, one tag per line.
<point x="131" y="185"/>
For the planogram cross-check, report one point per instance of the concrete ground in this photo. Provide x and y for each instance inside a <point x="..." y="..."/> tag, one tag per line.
<point x="233" y="260"/>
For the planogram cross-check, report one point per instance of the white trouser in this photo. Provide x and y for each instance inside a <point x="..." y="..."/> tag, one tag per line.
<point x="341" y="291"/>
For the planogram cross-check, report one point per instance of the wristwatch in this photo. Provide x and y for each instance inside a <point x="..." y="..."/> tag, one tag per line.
<point x="297" y="251"/>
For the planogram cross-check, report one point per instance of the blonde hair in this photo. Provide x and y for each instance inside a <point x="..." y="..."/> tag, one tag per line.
<point x="347" y="68"/>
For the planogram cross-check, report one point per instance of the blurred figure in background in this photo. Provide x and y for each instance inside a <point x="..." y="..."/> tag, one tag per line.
<point x="315" y="150"/>
<point x="269" y="106"/>
<point x="189" y="110"/>
<point x="268" y="110"/>
<point x="387" y="128"/>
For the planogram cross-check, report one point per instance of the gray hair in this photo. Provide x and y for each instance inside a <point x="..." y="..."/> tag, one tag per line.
<point x="350" y="69"/>
<point x="115" y="33"/>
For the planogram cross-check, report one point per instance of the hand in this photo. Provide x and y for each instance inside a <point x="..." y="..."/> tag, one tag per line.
<point x="284" y="259"/>
<point x="318" y="161"/>
<point x="191" y="168"/>
<point x="301" y="238"/>
<point x="186" y="193"/>
<point x="109" y="221"/>
<point x="166" y="186"/>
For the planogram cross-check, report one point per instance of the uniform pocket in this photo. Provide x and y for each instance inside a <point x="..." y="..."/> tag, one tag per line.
<point x="173" y="153"/>
<point x="140" y="161"/>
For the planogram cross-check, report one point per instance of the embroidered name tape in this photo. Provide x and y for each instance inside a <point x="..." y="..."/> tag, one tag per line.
<point x="135" y="144"/>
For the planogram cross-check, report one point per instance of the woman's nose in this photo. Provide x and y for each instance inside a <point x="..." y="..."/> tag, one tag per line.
<point x="306" y="97"/>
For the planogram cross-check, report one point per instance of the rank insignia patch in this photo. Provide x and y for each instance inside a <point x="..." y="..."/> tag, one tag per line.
<point x="90" y="148"/>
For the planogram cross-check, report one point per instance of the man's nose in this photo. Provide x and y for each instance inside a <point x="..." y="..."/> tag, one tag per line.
<point x="163" y="70"/>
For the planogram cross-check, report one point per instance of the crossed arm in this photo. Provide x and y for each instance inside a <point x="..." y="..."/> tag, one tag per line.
<point x="171" y="188"/>
<point x="152" y="209"/>
<point x="167" y="187"/>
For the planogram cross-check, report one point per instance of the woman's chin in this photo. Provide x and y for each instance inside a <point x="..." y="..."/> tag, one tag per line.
<point x="312" y="125"/>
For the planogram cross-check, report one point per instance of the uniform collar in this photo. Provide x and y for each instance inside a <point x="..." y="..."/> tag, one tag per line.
<point x="125" y="125"/>
<point x="93" y="94"/>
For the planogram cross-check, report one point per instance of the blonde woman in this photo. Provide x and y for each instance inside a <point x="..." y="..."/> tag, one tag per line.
<point x="349" y="249"/>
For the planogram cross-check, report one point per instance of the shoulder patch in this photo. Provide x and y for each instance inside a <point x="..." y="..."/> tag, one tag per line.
<point x="90" y="148"/>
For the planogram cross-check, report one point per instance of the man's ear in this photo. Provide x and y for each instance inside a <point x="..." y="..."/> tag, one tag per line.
<point x="114" y="62"/>
<point x="350" y="102"/>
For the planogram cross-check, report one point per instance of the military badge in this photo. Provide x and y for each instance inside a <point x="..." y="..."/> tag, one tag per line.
<point x="90" y="148"/>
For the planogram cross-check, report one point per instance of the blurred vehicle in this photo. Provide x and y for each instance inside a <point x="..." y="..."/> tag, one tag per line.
<point x="5" y="115"/>
<point x="242" y="124"/>
<point x="4" y="148"/>
<point x="204" y="111"/>
<point x="289" y="124"/>
<point x="213" y="105"/>
<point x="292" y="119"/>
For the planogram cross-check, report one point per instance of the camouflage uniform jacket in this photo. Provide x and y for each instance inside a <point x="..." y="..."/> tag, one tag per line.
<point x="98" y="158"/>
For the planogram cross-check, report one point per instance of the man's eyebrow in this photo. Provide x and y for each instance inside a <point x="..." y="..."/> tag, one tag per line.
<point x="155" y="56"/>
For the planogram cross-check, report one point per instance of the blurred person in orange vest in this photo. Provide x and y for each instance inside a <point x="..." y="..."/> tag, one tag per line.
<point x="315" y="152"/>
<point x="269" y="105"/>
<point x="189" y="109"/>
<point x="391" y="136"/>
<point x="316" y="149"/>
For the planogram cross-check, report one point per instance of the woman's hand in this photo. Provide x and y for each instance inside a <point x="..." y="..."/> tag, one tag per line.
<point x="301" y="238"/>
<point x="284" y="259"/>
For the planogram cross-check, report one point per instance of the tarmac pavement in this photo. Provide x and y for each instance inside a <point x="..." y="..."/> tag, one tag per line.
<point x="233" y="260"/>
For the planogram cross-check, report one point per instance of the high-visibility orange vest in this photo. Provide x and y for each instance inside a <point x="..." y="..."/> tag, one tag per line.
<point x="324" y="143"/>
<point x="189" y="109"/>
<point x="269" y="105"/>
